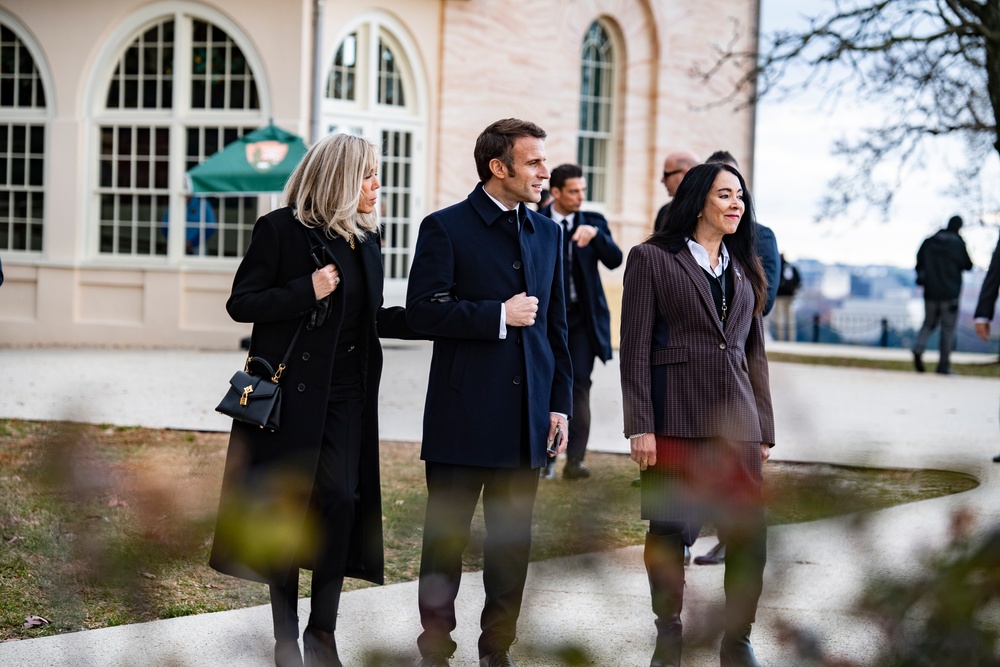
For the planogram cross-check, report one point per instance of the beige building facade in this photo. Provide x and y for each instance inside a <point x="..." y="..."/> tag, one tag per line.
<point x="105" y="105"/>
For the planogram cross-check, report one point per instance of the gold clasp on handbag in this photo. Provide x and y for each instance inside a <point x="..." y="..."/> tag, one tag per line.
<point x="247" y="390"/>
<point x="277" y="373"/>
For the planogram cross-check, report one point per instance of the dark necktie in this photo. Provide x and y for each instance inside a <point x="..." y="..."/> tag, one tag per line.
<point x="568" y="262"/>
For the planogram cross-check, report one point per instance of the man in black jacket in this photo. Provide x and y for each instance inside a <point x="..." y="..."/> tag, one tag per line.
<point x="986" y="306"/>
<point x="586" y="243"/>
<point x="940" y="262"/>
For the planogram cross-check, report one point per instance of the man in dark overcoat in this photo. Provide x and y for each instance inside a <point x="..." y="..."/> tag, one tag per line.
<point x="486" y="285"/>
<point x="986" y="305"/>
<point x="587" y="243"/>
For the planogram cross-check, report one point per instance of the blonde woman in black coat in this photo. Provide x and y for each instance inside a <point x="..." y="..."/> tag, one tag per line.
<point x="307" y="496"/>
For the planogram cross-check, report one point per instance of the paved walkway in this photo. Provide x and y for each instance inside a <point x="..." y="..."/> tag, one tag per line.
<point x="815" y="570"/>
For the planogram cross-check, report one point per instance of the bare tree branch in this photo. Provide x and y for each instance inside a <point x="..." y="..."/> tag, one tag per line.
<point x="934" y="65"/>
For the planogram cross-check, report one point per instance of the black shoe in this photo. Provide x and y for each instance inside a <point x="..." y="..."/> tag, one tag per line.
<point x="434" y="661"/>
<point x="498" y="659"/>
<point x="549" y="471"/>
<point x="575" y="470"/>
<point x="321" y="648"/>
<point x="918" y="363"/>
<point x="996" y="459"/>
<point x="736" y="651"/>
<point x="715" y="555"/>
<point x="286" y="653"/>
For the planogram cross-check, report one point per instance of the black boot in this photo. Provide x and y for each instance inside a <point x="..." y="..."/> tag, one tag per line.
<point x="744" y="578"/>
<point x="284" y="613"/>
<point x="287" y="654"/>
<point x="736" y="650"/>
<point x="321" y="648"/>
<point x="664" y="558"/>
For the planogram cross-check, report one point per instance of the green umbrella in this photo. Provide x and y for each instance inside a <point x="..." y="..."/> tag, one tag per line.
<point x="256" y="163"/>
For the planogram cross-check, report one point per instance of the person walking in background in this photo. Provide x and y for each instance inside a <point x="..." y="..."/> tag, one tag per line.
<point x="586" y="242"/>
<point x="697" y="401"/>
<point x="784" y="316"/>
<point x="308" y="495"/>
<point x="487" y="285"/>
<point x="986" y="306"/>
<point x="675" y="165"/>
<point x="941" y="260"/>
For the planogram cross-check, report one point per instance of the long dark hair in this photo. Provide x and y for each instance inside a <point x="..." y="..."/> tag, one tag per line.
<point x="682" y="219"/>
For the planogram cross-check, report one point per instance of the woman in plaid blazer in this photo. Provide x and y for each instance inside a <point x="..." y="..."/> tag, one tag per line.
<point x="697" y="399"/>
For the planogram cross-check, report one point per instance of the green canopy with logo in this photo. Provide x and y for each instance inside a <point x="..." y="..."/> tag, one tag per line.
<point x="257" y="163"/>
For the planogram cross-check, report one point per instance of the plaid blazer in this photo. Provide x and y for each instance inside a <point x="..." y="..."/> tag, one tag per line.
<point x="682" y="374"/>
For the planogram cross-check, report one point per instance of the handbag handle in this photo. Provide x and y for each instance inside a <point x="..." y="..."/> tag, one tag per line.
<point x="288" y="353"/>
<point x="284" y="360"/>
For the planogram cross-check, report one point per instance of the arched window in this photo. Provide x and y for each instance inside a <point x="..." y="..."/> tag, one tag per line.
<point x="371" y="91"/>
<point x="597" y="86"/>
<point x="181" y="90"/>
<point x="22" y="145"/>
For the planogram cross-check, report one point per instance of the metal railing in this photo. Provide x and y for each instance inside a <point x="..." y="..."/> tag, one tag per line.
<point x="880" y="331"/>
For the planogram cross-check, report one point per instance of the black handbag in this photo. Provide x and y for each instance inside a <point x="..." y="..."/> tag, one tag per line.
<point x="254" y="395"/>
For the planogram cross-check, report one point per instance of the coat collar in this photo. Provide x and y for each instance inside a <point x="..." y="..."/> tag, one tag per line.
<point x="490" y="212"/>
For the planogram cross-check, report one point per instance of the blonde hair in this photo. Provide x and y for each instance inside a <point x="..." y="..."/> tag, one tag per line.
<point x="325" y="187"/>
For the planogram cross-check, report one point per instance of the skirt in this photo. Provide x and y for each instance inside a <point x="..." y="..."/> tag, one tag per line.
<point x="701" y="480"/>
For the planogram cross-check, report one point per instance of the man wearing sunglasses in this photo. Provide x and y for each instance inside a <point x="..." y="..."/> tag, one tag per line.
<point x="674" y="167"/>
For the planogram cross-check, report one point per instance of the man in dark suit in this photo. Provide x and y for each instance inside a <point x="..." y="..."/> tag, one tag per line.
<point x="487" y="285"/>
<point x="586" y="241"/>
<point x="986" y="306"/>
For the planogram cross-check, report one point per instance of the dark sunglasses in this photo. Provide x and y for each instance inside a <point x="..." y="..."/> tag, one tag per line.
<point x="668" y="174"/>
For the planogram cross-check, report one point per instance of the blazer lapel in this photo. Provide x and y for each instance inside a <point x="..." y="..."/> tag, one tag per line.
<point x="524" y="238"/>
<point x="740" y="285"/>
<point x="697" y="275"/>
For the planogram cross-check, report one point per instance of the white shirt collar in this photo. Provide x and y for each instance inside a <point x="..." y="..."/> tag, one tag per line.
<point x="498" y="202"/>
<point x="701" y="256"/>
<point x="559" y="217"/>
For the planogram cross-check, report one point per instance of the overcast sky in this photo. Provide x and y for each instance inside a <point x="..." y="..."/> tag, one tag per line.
<point x="794" y="163"/>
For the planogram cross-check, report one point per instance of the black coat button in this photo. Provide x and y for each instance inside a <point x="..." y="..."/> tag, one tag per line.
<point x="305" y="356"/>
<point x="519" y="341"/>
<point x="517" y="379"/>
<point x="301" y="387"/>
<point x="517" y="264"/>
<point x="512" y="218"/>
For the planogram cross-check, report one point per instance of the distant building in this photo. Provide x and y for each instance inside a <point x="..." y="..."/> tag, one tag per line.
<point x="105" y="105"/>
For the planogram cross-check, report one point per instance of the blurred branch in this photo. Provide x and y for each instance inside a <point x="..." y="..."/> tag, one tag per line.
<point x="932" y="65"/>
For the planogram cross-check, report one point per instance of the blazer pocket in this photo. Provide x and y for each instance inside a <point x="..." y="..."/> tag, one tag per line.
<point x="668" y="355"/>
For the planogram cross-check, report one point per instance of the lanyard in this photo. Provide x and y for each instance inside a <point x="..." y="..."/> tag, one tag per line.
<point x="722" y="287"/>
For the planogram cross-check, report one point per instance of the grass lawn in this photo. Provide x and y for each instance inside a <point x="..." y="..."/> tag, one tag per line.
<point x="991" y="370"/>
<point x="102" y="525"/>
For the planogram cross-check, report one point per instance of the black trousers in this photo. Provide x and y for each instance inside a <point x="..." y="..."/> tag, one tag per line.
<point x="582" y="354"/>
<point x="452" y="495"/>
<point x="335" y="497"/>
